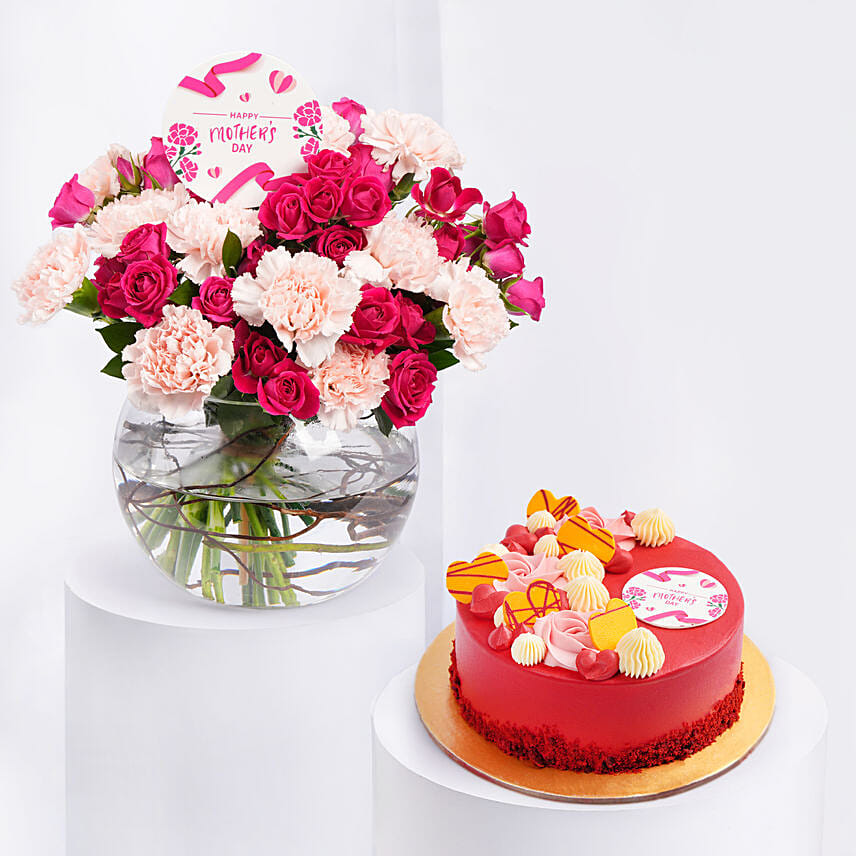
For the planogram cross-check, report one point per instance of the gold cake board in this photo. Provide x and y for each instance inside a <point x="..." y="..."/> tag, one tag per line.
<point x="444" y="722"/>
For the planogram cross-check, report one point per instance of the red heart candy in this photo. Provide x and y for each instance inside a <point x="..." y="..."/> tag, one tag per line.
<point x="597" y="665"/>
<point x="516" y="529"/>
<point x="620" y="563"/>
<point x="544" y="530"/>
<point x="486" y="600"/>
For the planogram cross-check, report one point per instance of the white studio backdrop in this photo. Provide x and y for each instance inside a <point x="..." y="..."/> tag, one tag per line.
<point x="689" y="174"/>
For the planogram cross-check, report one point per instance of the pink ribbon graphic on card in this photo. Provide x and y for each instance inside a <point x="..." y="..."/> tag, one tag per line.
<point x="211" y="86"/>
<point x="675" y="598"/>
<point x="261" y="173"/>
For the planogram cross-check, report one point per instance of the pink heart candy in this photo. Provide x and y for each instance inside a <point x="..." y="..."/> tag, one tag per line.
<point x="597" y="665"/>
<point x="486" y="600"/>
<point x="244" y="97"/>
<point x="214" y="172"/>
<point x="281" y="82"/>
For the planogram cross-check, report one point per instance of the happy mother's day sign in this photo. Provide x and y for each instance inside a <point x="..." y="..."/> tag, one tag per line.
<point x="238" y="121"/>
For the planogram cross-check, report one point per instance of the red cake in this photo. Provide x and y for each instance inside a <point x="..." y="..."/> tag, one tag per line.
<point x="651" y="676"/>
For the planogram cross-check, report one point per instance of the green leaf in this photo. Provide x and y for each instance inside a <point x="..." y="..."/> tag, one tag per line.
<point x="443" y="360"/>
<point x="84" y="301"/>
<point x="435" y="317"/>
<point x="114" y="367"/>
<point x="232" y="250"/>
<point x="383" y="421"/>
<point x="403" y="188"/>
<point x="223" y="387"/>
<point x="184" y="293"/>
<point x="117" y="335"/>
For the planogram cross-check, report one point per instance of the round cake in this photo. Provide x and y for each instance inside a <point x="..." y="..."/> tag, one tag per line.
<point x="629" y="661"/>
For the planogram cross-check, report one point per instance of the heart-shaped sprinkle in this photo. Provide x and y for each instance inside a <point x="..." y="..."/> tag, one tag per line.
<point x="486" y="600"/>
<point x="214" y="172"/>
<point x="281" y="82"/>
<point x="607" y="627"/>
<point x="463" y="577"/>
<point x="521" y="608"/>
<point x="597" y="665"/>
<point x="543" y="500"/>
<point x="244" y="96"/>
<point x="577" y="533"/>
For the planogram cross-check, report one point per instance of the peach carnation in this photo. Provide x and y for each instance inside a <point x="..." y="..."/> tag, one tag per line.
<point x="304" y="298"/>
<point x="337" y="132"/>
<point x="126" y="213"/>
<point x="475" y="314"/>
<point x="350" y="382"/>
<point x="409" y="142"/>
<point x="172" y="367"/>
<point x="402" y="253"/>
<point x="54" y="273"/>
<point x="198" y="230"/>
<point x="101" y="176"/>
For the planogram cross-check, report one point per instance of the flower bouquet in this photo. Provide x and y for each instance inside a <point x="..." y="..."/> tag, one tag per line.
<point x="276" y="358"/>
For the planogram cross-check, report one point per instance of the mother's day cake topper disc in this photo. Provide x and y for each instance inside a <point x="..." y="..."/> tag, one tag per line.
<point x="675" y="598"/>
<point x="238" y="121"/>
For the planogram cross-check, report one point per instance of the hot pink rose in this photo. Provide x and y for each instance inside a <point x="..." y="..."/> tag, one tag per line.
<point x="366" y="201"/>
<point x="147" y="285"/>
<point x="73" y="204"/>
<point x="411" y="385"/>
<point x="144" y="242"/>
<point x="505" y="261"/>
<point x="289" y="391"/>
<point x="375" y="320"/>
<point x="329" y="164"/>
<point x="413" y="330"/>
<point x="350" y="111"/>
<point x="156" y="167"/>
<point x="252" y="254"/>
<point x="443" y="198"/>
<point x="108" y="282"/>
<point x="282" y="212"/>
<point x="451" y="241"/>
<point x="505" y="223"/>
<point x="523" y="570"/>
<point x="363" y="163"/>
<point x="256" y="357"/>
<point x="321" y="199"/>
<point x="337" y="241"/>
<point x="565" y="634"/>
<point x="214" y="300"/>
<point x="528" y="294"/>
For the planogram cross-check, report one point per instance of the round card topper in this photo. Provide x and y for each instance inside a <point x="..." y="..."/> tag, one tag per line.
<point x="675" y="598"/>
<point x="238" y="121"/>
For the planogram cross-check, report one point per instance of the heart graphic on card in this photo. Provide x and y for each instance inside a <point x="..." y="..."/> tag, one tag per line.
<point x="214" y="172"/>
<point x="543" y="500"/>
<point x="578" y="534"/>
<point x="521" y="608"/>
<point x="281" y="82"/>
<point x="244" y="96"/>
<point x="463" y="577"/>
<point x="607" y="627"/>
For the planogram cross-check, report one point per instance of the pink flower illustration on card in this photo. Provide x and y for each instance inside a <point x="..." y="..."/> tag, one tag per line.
<point x="716" y="604"/>
<point x="633" y="596"/>
<point x="189" y="169"/>
<point x="308" y="113"/>
<point x="309" y="148"/>
<point x="181" y="134"/>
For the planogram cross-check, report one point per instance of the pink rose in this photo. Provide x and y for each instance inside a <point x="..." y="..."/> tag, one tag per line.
<point x="147" y="285"/>
<point x="411" y="384"/>
<point x="156" y="167"/>
<point x="321" y="199"/>
<point x="505" y="223"/>
<point x="565" y="634"/>
<point x="144" y="242"/>
<point x="366" y="201"/>
<point x="289" y="391"/>
<point x="450" y="241"/>
<point x="523" y="570"/>
<point x="350" y="111"/>
<point x="331" y="164"/>
<point x="528" y="295"/>
<point x="108" y="283"/>
<point x="214" y="300"/>
<point x="257" y="355"/>
<point x="505" y="261"/>
<point x="282" y="212"/>
<point x="362" y="163"/>
<point x="375" y="320"/>
<point x="253" y="252"/>
<point x="413" y="330"/>
<point x="443" y="197"/>
<point x="337" y="241"/>
<point x="73" y="204"/>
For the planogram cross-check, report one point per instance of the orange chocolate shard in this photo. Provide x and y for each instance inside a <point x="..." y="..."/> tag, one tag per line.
<point x="576" y="533"/>
<point x="521" y="608"/>
<point x="543" y="500"/>
<point x="607" y="627"/>
<point x="463" y="577"/>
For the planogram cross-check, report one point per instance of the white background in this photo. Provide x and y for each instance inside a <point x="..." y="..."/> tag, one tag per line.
<point x="689" y="172"/>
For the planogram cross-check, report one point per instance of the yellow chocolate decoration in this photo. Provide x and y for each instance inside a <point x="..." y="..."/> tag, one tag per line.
<point x="607" y="628"/>
<point x="463" y="577"/>
<point x="577" y="533"/>
<point x="566" y="506"/>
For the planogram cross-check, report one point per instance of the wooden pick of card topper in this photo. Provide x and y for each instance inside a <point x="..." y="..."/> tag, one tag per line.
<point x="521" y="608"/>
<point x="576" y="533"/>
<point x="543" y="500"/>
<point x="607" y="627"/>
<point x="463" y="577"/>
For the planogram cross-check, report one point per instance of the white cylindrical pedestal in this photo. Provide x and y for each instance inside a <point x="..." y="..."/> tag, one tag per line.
<point x="198" y="729"/>
<point x="425" y="803"/>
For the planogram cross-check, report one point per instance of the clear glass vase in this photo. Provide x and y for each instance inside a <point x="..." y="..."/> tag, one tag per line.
<point x="242" y="508"/>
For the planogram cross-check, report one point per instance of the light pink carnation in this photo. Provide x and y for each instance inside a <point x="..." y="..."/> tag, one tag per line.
<point x="198" y="230"/>
<point x="409" y="142"/>
<point x="125" y="214"/>
<point x="304" y="298"/>
<point x="475" y="315"/>
<point x="101" y="176"/>
<point x="337" y="131"/>
<point x="351" y="382"/>
<point x="173" y="366"/>
<point x="54" y="273"/>
<point x="402" y="253"/>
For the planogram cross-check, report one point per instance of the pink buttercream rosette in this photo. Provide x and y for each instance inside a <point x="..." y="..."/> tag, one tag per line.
<point x="565" y="633"/>
<point x="618" y="526"/>
<point x="523" y="570"/>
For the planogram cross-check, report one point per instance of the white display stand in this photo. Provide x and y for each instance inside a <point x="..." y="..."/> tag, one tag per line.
<point x="425" y="803"/>
<point x="200" y="729"/>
